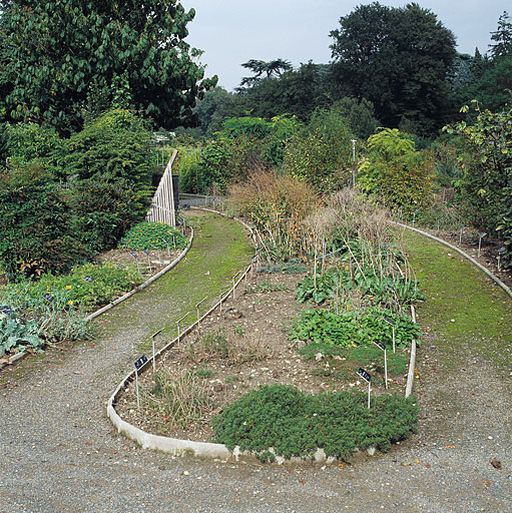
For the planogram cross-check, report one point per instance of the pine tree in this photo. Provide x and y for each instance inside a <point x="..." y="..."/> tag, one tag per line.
<point x="502" y="37"/>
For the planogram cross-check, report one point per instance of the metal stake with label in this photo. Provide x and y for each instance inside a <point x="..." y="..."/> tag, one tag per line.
<point x="153" y="347"/>
<point x="138" y="365"/>
<point x="390" y="322"/>
<point x="368" y="378"/>
<point x="382" y="346"/>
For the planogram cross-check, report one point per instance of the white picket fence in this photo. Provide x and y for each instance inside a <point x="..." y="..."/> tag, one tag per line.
<point x="162" y="207"/>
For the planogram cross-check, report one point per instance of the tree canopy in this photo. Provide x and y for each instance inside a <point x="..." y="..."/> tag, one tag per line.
<point x="399" y="59"/>
<point x="61" y="61"/>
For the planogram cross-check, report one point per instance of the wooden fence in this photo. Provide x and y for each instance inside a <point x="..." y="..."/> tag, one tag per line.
<point x="162" y="207"/>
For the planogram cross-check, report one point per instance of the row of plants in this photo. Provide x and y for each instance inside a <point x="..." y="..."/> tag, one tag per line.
<point x="53" y="307"/>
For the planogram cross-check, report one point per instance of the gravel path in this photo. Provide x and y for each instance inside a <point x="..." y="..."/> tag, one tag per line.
<point x="59" y="454"/>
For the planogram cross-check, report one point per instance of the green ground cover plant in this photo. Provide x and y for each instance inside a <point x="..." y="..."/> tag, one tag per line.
<point x="354" y="328"/>
<point x="153" y="236"/>
<point x="296" y="424"/>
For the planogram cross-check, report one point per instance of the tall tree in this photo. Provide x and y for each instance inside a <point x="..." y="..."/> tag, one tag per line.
<point x="399" y="59"/>
<point x="502" y="37"/>
<point x="60" y="60"/>
<point x="264" y="69"/>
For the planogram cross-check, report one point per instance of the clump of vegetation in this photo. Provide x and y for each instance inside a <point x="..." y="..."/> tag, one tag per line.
<point x="292" y="266"/>
<point x="153" y="236"/>
<point x="215" y="345"/>
<point x="267" y="287"/>
<point x="179" y="400"/>
<point x="87" y="286"/>
<point x="16" y="335"/>
<point x="293" y="423"/>
<point x="395" y="173"/>
<point x="356" y="328"/>
<point x="276" y="205"/>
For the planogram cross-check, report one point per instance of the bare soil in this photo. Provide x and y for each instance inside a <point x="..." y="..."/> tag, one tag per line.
<point x="256" y="351"/>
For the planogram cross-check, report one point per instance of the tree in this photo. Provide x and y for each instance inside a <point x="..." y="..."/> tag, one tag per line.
<point x="263" y="69"/>
<point x="215" y="107"/>
<point x="60" y="60"/>
<point x="502" y="37"/>
<point x="399" y="59"/>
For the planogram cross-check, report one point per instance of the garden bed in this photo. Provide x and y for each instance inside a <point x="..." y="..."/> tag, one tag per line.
<point x="241" y="349"/>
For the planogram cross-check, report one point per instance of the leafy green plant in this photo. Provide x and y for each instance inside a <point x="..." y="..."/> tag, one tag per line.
<point x="16" y="335"/>
<point x="355" y="328"/>
<point x="267" y="287"/>
<point x="153" y="236"/>
<point x="293" y="423"/>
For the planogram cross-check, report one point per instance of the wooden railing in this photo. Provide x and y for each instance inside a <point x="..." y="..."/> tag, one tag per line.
<point x="163" y="209"/>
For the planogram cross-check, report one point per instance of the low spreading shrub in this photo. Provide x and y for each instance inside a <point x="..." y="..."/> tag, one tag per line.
<point x="296" y="424"/>
<point x="153" y="236"/>
<point x="356" y="328"/>
<point x="84" y="287"/>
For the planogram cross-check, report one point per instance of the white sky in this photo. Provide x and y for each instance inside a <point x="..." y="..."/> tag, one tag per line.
<point x="233" y="31"/>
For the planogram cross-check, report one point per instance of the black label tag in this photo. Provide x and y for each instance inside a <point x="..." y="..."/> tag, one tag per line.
<point x="141" y="362"/>
<point x="380" y="345"/>
<point x="365" y="375"/>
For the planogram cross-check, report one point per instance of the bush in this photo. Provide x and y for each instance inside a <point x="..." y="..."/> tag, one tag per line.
<point x="153" y="236"/>
<point x="116" y="145"/>
<point x="276" y="205"/>
<point x="393" y="172"/>
<point x="85" y="287"/>
<point x="297" y="424"/>
<point x="35" y="236"/>
<point x="357" y="328"/>
<point x="321" y="154"/>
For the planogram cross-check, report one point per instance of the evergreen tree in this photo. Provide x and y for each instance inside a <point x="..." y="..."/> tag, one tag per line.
<point x="502" y="37"/>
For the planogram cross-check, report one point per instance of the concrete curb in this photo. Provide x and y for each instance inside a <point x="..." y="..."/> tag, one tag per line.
<point x="146" y="284"/>
<point x="412" y="360"/>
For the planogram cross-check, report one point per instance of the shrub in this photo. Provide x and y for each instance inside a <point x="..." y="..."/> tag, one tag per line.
<point x="321" y="153"/>
<point x="393" y="172"/>
<point x="153" y="236"/>
<point x="296" y="424"/>
<point x="276" y="205"/>
<point x="86" y="286"/>
<point x="116" y="145"/>
<point x="348" y="329"/>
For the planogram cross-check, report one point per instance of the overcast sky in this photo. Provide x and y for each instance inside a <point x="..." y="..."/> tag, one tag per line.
<point x="233" y="31"/>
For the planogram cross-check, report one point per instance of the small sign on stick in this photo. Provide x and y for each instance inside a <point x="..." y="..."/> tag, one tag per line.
<point x="138" y="365"/>
<point x="382" y="347"/>
<point x="368" y="378"/>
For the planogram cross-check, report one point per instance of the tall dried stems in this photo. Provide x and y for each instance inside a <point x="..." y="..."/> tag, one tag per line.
<point x="276" y="205"/>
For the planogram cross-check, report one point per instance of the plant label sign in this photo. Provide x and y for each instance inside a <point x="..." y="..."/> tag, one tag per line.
<point x="141" y="362"/>
<point x="365" y="375"/>
<point x="380" y="345"/>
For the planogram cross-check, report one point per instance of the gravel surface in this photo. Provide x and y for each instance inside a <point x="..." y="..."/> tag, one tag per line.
<point x="58" y="452"/>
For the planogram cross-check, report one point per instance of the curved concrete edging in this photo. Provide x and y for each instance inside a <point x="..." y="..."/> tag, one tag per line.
<point x="146" y="284"/>
<point x="175" y="446"/>
<point x="506" y="288"/>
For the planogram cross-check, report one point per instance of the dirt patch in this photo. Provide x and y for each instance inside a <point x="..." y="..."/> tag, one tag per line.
<point x="240" y="348"/>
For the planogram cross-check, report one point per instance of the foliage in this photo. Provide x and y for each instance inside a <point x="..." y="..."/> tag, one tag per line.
<point x="276" y="206"/>
<point x="16" y="335"/>
<point x="264" y="69"/>
<point x="502" y="37"/>
<point x="61" y="61"/>
<point x="321" y="153"/>
<point x="397" y="58"/>
<point x="85" y="287"/>
<point x="115" y="146"/>
<point x="34" y="233"/>
<point x="297" y="424"/>
<point x="395" y="173"/>
<point x="359" y="113"/>
<point x="154" y="236"/>
<point x="354" y="328"/>
<point x="486" y="187"/>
